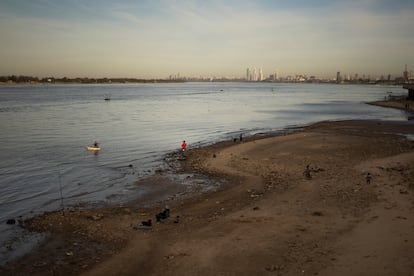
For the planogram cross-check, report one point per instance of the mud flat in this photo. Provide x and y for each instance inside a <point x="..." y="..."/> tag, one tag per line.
<point x="265" y="217"/>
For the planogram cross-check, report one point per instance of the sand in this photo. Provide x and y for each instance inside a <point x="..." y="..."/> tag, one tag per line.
<point x="402" y="104"/>
<point x="266" y="218"/>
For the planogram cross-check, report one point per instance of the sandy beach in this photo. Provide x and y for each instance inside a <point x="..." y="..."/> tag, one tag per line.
<point x="267" y="218"/>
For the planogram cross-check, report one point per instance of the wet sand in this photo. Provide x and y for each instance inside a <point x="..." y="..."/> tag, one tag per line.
<point x="399" y="104"/>
<point x="265" y="218"/>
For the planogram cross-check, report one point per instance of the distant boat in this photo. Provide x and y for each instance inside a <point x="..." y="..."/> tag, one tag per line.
<point x="107" y="98"/>
<point x="93" y="148"/>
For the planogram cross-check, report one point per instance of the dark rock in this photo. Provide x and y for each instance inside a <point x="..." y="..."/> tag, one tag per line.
<point x="317" y="213"/>
<point x="11" y="221"/>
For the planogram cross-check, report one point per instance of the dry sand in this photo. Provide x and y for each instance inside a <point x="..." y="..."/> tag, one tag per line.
<point x="267" y="219"/>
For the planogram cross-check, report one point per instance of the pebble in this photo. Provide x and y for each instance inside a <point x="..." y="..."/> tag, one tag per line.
<point x="11" y="221"/>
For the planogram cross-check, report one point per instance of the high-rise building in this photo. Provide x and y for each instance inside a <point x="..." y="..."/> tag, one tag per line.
<point x="338" y="77"/>
<point x="405" y="73"/>
<point x="254" y="74"/>
<point x="260" y="75"/>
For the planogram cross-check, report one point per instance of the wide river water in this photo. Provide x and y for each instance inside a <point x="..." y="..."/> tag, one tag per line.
<point x="45" y="130"/>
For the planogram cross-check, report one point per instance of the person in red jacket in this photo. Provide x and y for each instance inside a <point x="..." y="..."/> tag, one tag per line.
<point x="184" y="146"/>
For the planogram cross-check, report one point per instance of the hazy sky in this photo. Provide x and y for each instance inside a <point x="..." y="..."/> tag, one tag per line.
<point x="157" y="38"/>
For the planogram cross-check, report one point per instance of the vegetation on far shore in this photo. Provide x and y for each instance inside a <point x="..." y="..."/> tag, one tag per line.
<point x="34" y="80"/>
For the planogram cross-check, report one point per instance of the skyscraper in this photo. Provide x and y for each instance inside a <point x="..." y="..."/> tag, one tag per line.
<point x="260" y="75"/>
<point x="405" y="74"/>
<point x="254" y="75"/>
<point x="338" y="77"/>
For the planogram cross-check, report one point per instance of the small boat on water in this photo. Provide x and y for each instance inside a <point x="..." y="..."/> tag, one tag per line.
<point x="93" y="148"/>
<point x="107" y="97"/>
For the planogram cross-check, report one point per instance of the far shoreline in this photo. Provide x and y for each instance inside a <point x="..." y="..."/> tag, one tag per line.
<point x="114" y="81"/>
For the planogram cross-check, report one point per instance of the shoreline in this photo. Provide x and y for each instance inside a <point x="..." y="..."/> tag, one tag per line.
<point x="86" y="241"/>
<point x="402" y="104"/>
<point x="104" y="81"/>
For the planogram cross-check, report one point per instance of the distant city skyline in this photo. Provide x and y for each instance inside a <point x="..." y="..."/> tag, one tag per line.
<point x="154" y="39"/>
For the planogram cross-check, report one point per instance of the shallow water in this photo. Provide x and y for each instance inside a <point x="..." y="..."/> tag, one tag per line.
<point x="45" y="130"/>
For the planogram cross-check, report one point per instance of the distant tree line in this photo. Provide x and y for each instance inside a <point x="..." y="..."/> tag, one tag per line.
<point x="30" y="79"/>
<point x="18" y="79"/>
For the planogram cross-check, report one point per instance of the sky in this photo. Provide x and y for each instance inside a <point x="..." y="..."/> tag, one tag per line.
<point x="159" y="38"/>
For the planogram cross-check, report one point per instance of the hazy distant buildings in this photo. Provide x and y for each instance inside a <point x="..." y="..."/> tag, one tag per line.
<point x="251" y="74"/>
<point x="405" y="74"/>
<point x="273" y="77"/>
<point x="260" y="75"/>
<point x="254" y="75"/>
<point x="338" y="77"/>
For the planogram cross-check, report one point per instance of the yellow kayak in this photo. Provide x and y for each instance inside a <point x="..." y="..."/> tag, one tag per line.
<point x="93" y="148"/>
